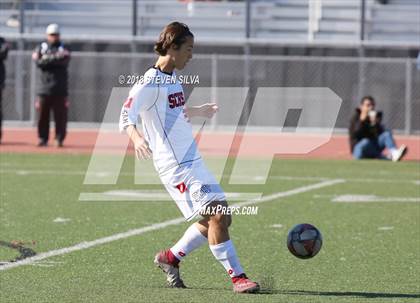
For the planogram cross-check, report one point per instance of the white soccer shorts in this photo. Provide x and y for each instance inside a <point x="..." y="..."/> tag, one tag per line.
<point x="192" y="187"/>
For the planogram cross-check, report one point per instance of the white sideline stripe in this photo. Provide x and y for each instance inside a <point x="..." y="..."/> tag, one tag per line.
<point x="157" y="226"/>
<point x="291" y="192"/>
<point x="88" y="244"/>
<point x="8" y="169"/>
<point x="372" y="198"/>
<point x="25" y="172"/>
<point x="151" y="196"/>
<point x="5" y="169"/>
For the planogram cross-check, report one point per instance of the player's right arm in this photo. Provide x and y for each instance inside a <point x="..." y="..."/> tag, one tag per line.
<point x="140" y="98"/>
<point x="141" y="147"/>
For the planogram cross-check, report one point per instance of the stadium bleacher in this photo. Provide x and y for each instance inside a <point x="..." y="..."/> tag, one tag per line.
<point x="398" y="20"/>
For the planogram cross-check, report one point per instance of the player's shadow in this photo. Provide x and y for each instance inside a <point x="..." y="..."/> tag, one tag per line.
<point x="354" y="294"/>
<point x="357" y="294"/>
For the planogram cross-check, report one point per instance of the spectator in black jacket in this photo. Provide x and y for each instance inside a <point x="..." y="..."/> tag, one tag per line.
<point x="52" y="58"/>
<point x="368" y="137"/>
<point x="4" y="48"/>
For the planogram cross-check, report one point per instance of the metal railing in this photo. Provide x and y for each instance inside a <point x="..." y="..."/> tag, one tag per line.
<point x="314" y="16"/>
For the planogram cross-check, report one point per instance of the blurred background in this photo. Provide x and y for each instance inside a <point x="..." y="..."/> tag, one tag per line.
<point x="353" y="47"/>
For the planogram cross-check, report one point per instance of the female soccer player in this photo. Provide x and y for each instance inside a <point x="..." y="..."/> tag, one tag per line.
<point x="167" y="138"/>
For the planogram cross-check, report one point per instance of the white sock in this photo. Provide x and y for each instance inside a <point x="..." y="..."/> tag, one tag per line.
<point x="225" y="253"/>
<point x="191" y="240"/>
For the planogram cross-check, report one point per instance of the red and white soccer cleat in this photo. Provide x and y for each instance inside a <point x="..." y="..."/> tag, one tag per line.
<point x="165" y="261"/>
<point x="241" y="284"/>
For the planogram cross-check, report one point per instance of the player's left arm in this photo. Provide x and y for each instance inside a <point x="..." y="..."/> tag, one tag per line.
<point x="206" y="110"/>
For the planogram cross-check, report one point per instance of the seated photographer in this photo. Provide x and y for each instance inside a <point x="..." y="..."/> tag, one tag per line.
<point x="368" y="137"/>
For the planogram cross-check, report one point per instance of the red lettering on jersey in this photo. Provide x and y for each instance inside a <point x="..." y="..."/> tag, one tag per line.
<point x="176" y="100"/>
<point x="181" y="99"/>
<point x="182" y="187"/>
<point x="127" y="103"/>
<point x="172" y="101"/>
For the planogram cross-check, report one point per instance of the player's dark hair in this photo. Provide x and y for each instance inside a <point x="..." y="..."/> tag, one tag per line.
<point x="370" y="98"/>
<point x="175" y="33"/>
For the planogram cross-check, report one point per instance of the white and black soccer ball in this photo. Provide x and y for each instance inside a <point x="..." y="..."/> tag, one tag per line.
<point x="304" y="241"/>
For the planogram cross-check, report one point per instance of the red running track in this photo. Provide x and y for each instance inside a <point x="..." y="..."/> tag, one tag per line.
<point x="290" y="145"/>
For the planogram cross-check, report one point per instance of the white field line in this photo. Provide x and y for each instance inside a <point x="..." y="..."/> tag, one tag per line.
<point x="157" y="226"/>
<point x="103" y="174"/>
<point x="371" y="198"/>
<point x="151" y="196"/>
<point x="291" y="192"/>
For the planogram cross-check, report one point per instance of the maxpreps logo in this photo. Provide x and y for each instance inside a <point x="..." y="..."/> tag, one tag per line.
<point x="201" y="193"/>
<point x="303" y="109"/>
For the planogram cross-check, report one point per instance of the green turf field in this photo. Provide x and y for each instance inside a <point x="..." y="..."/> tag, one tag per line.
<point x="371" y="250"/>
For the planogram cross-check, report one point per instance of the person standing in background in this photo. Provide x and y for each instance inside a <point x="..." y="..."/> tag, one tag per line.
<point x="4" y="49"/>
<point x="52" y="58"/>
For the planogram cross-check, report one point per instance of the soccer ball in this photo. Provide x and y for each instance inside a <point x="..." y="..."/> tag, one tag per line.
<point x="304" y="241"/>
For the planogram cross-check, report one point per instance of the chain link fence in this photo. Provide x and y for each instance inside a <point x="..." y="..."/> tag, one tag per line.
<point x="393" y="82"/>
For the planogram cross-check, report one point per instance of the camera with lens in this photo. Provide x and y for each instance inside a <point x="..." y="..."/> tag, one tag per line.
<point x="375" y="116"/>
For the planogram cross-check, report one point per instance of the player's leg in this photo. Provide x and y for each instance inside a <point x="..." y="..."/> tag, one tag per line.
<point x="60" y="119"/>
<point x="223" y="249"/>
<point x="203" y="224"/>
<point x="195" y="236"/>
<point x="192" y="239"/>
<point x="44" y="108"/>
<point x="218" y="224"/>
<point x="192" y="199"/>
<point x="168" y="260"/>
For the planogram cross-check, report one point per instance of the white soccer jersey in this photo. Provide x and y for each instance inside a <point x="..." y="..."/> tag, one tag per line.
<point x="159" y="100"/>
